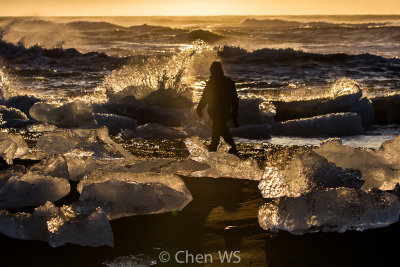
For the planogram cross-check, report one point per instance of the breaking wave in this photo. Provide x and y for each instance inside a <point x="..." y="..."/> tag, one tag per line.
<point x="280" y="23"/>
<point x="36" y="55"/>
<point x="177" y="72"/>
<point x="266" y="55"/>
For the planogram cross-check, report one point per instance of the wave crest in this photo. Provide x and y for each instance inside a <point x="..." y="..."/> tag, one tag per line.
<point x="290" y="55"/>
<point x="279" y="23"/>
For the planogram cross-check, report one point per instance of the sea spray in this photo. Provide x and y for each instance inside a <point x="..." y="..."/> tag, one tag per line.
<point x="177" y="72"/>
<point x="6" y="84"/>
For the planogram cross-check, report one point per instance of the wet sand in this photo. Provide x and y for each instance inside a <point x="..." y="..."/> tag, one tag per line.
<point x="200" y="228"/>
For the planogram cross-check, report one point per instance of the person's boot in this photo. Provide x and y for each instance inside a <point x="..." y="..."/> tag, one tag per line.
<point x="233" y="151"/>
<point x="212" y="148"/>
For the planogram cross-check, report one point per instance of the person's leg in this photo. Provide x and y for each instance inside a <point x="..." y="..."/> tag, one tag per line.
<point x="216" y="133"/>
<point x="228" y="138"/>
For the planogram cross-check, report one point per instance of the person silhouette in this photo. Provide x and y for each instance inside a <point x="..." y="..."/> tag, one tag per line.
<point x="221" y="97"/>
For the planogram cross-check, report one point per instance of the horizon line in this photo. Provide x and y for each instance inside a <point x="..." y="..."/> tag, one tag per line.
<point x="224" y="15"/>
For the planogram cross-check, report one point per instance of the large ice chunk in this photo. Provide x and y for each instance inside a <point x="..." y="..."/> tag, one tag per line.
<point x="131" y="193"/>
<point x="77" y="163"/>
<point x="41" y="127"/>
<point x="379" y="168"/>
<point x="71" y="114"/>
<point x="54" y="165"/>
<point x="97" y="141"/>
<point x="114" y="123"/>
<point x="80" y="163"/>
<point x="19" y="189"/>
<point x="146" y="114"/>
<point x="58" y="226"/>
<point x="12" y="146"/>
<point x="304" y="174"/>
<point x="222" y="164"/>
<point x="330" y="210"/>
<point x="346" y="96"/>
<point x="159" y="165"/>
<point x="337" y="124"/>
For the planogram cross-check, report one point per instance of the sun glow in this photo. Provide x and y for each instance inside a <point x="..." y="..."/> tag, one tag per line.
<point x="191" y="7"/>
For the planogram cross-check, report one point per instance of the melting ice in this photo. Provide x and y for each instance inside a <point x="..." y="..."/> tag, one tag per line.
<point x="131" y="193"/>
<point x="59" y="226"/>
<point x="330" y="210"/>
<point x="333" y="188"/>
<point x="221" y="163"/>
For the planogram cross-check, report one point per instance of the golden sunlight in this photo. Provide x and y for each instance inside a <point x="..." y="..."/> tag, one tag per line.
<point x="190" y="7"/>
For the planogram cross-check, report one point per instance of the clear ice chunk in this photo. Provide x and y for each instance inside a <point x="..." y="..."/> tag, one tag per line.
<point x="304" y="174"/>
<point x="330" y="210"/>
<point x="80" y="163"/>
<point x="337" y="124"/>
<point x="19" y="189"/>
<point x="41" y="127"/>
<point x="75" y="164"/>
<point x="59" y="226"/>
<point x="114" y="123"/>
<point x="62" y="141"/>
<point x="73" y="114"/>
<point x="160" y="165"/>
<point x="12" y="146"/>
<point x="54" y="165"/>
<point x="222" y="164"/>
<point x="379" y="167"/>
<point x="131" y="193"/>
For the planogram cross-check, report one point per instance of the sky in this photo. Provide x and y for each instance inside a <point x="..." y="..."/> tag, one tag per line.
<point x="194" y="7"/>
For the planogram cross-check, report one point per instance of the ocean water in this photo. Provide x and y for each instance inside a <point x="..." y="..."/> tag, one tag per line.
<point x="301" y="80"/>
<point x="286" y="58"/>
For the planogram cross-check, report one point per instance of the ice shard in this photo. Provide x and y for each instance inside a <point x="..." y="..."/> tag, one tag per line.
<point x="59" y="226"/>
<point x="54" y="165"/>
<point x="336" y="124"/>
<point x="131" y="193"/>
<point x="97" y="141"/>
<point x="379" y="167"/>
<point x="330" y="210"/>
<point x="19" y="189"/>
<point x="73" y="114"/>
<point x="222" y="164"/>
<point x="12" y="146"/>
<point x="304" y="174"/>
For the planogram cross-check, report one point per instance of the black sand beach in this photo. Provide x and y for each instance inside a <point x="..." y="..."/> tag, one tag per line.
<point x="201" y="228"/>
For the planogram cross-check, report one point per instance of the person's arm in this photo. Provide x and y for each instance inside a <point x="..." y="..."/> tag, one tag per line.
<point x="203" y="101"/>
<point x="235" y="102"/>
<point x="235" y="106"/>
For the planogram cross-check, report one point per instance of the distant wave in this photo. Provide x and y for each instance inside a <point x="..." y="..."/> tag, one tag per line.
<point x="203" y="35"/>
<point x="18" y="54"/>
<point x="92" y="25"/>
<point x="289" y="55"/>
<point x="82" y="25"/>
<point x="155" y="28"/>
<point x="49" y="34"/>
<point x="278" y="23"/>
